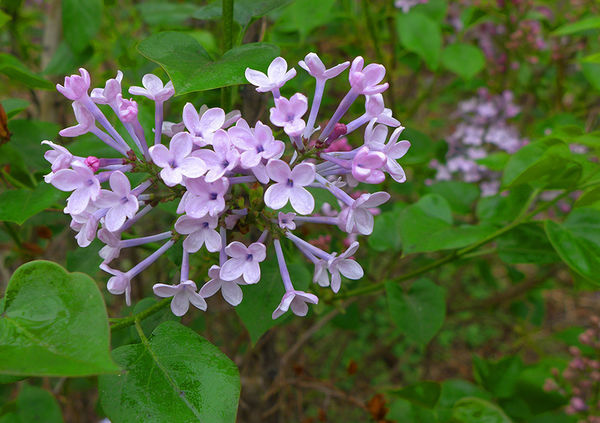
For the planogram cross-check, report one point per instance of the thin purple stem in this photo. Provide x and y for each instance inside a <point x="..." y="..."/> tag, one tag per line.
<point x="339" y="112"/>
<point x="285" y="274"/>
<point x="136" y="242"/>
<point x="158" y="120"/>
<point x="185" y="266"/>
<point x="337" y="192"/>
<point x="314" y="108"/>
<point x="308" y="246"/>
<point x="141" y="266"/>
<point x="222" y="254"/>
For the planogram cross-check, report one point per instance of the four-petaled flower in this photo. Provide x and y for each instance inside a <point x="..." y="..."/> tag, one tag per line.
<point x="277" y="75"/>
<point x="290" y="185"/>
<point x="82" y="181"/>
<point x="297" y="301"/>
<point x="243" y="262"/>
<point x="345" y="265"/>
<point x="183" y="295"/>
<point x="203" y="127"/>
<point x="85" y="122"/>
<point x="365" y="80"/>
<point x="366" y="166"/>
<point x="230" y="290"/>
<point x="154" y="89"/>
<point x="121" y="203"/>
<point x="204" y="197"/>
<point x="176" y="160"/>
<point x="199" y="232"/>
<point x="222" y="158"/>
<point x="315" y="67"/>
<point x="288" y="114"/>
<point x="286" y="220"/>
<point x="75" y="86"/>
<point x="357" y="217"/>
<point x="393" y="149"/>
<point x="108" y="94"/>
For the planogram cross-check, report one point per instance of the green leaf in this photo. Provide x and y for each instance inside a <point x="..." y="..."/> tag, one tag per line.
<point x="435" y="9"/>
<point x="386" y="233"/>
<point x="81" y="21"/>
<point x="494" y="161"/>
<point x="536" y="164"/>
<point x="498" y="377"/>
<point x="421" y="35"/>
<point x="465" y="60"/>
<point x="577" y="241"/>
<point x="65" y="61"/>
<point x="17" y="71"/>
<point x="20" y="204"/>
<point x="452" y="391"/>
<point x="14" y="106"/>
<point x="432" y="215"/>
<point x="177" y="376"/>
<point x="421" y="149"/>
<point x="27" y="137"/>
<point x="591" y="72"/>
<point x="85" y="260"/>
<point x="425" y="393"/>
<point x="304" y="16"/>
<point x="4" y="18"/>
<point x="590" y="197"/>
<point x="54" y="324"/>
<point x="527" y="243"/>
<point x="165" y="13"/>
<point x="243" y="11"/>
<point x="586" y="24"/>
<point x="592" y="58"/>
<point x="261" y="299"/>
<point x="501" y="208"/>
<point x="190" y="67"/>
<point x="420" y="312"/>
<point x="34" y="405"/>
<point x="459" y="195"/>
<point x="477" y="410"/>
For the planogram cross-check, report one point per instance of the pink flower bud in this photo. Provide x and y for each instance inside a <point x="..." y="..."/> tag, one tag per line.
<point x="93" y="163"/>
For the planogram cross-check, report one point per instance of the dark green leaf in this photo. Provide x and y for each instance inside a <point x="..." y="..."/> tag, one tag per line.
<point x="477" y="410"/>
<point x="536" y="164"/>
<point x="54" y="324"/>
<point x="27" y="137"/>
<point x="527" y="243"/>
<point x="420" y="312"/>
<point x="81" y="20"/>
<point x="304" y="16"/>
<point x="34" y="405"/>
<point x="386" y="232"/>
<point x="85" y="260"/>
<point x="459" y="195"/>
<point x="20" y="204"/>
<point x="17" y="71"/>
<point x="494" y="161"/>
<point x="243" y="10"/>
<point x="165" y="13"/>
<point x="421" y="35"/>
<point x="13" y="106"/>
<point x="585" y="24"/>
<point x="452" y="391"/>
<point x="591" y="72"/>
<point x="190" y="67"/>
<point x="501" y="208"/>
<point x="421" y="148"/>
<point x="424" y="394"/>
<point x="4" y="18"/>
<point x="577" y="241"/>
<point x="262" y="299"/>
<point x="498" y="377"/>
<point x="465" y="60"/>
<point x="65" y="61"/>
<point x="177" y="377"/>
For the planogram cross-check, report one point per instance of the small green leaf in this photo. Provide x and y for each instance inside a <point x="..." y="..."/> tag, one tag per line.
<point x="190" y="67"/>
<point x="4" y="18"/>
<point x="54" y="324"/>
<point x="421" y="35"/>
<point x="14" y="106"/>
<point x="586" y="24"/>
<point x="424" y="394"/>
<point x="477" y="410"/>
<point x="577" y="241"/>
<point x="81" y="21"/>
<point x="20" y="204"/>
<point x="420" y="312"/>
<point x="17" y="71"/>
<point x="243" y="12"/>
<point x="459" y="195"/>
<point x="33" y="405"/>
<point x="498" y="377"/>
<point x="465" y="60"/>
<point x="527" y="243"/>
<point x="536" y="164"/>
<point x="386" y="232"/>
<point x="178" y="376"/>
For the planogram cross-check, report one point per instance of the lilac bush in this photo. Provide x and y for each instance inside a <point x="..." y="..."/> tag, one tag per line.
<point x="207" y="156"/>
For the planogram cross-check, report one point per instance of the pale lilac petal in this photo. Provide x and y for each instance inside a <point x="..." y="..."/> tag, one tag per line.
<point x="278" y="170"/>
<point x="181" y="146"/>
<point x="303" y="174"/>
<point x="66" y="180"/>
<point x="350" y="269"/>
<point x="302" y="200"/>
<point x="212" y="239"/>
<point x="258" y="250"/>
<point x="160" y="155"/>
<point x="192" y="167"/>
<point x="194" y="241"/>
<point x="277" y="196"/>
<point x="211" y="287"/>
<point x="152" y="83"/>
<point x="190" y="118"/>
<point x="78" y="201"/>
<point x="256" y="77"/>
<point x="212" y="119"/>
<point x="114" y="219"/>
<point x="376" y="199"/>
<point x="232" y="269"/>
<point x="236" y="250"/>
<point x="180" y="303"/>
<point x="197" y="300"/>
<point x="232" y="293"/>
<point x="164" y="290"/>
<point x="299" y="307"/>
<point x="119" y="183"/>
<point x="277" y="69"/>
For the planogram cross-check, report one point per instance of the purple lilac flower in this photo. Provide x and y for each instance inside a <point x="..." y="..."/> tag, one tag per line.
<point x="206" y="159"/>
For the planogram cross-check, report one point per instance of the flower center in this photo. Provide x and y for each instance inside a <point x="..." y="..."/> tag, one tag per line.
<point x="205" y="225"/>
<point x="249" y="257"/>
<point x="290" y="183"/>
<point x="213" y="196"/>
<point x="259" y="149"/>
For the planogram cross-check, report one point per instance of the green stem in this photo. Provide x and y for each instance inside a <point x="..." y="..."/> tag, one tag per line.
<point x="119" y="323"/>
<point x="523" y="217"/>
<point x="227" y="17"/>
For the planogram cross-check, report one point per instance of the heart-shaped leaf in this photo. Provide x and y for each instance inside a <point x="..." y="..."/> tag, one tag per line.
<point x="191" y="68"/>
<point x="53" y="323"/>
<point x="175" y="376"/>
<point x="20" y="204"/>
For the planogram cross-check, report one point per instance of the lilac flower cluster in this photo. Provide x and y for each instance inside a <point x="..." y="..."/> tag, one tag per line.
<point x="483" y="128"/>
<point x="228" y="175"/>
<point x="580" y="380"/>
